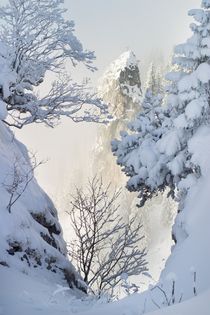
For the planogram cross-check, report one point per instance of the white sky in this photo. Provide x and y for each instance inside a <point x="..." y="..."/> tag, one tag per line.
<point x="148" y="27"/>
<point x="145" y="26"/>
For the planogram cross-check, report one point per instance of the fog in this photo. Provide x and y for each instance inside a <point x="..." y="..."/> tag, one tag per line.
<point x="150" y="28"/>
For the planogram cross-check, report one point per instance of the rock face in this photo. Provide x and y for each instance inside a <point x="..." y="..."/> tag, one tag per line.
<point x="120" y="87"/>
<point x="30" y="235"/>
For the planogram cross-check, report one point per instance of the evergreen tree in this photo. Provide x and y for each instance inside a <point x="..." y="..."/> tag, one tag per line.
<point x="144" y="131"/>
<point x="157" y="154"/>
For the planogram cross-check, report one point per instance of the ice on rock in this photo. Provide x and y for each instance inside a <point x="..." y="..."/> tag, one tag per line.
<point x="206" y="42"/>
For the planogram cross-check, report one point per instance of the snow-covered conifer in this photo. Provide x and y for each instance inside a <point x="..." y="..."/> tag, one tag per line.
<point x="155" y="158"/>
<point x="145" y="130"/>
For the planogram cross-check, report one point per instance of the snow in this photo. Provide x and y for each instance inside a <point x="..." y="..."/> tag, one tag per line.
<point x="206" y="4"/>
<point x="18" y="227"/>
<point x="181" y="144"/>
<point x="194" y="109"/>
<point x="176" y="166"/>
<point x="125" y="60"/>
<point x="3" y="110"/>
<point x="7" y="76"/>
<point x="122" y="75"/>
<point x="194" y="220"/>
<point x="21" y="77"/>
<point x="180" y="121"/>
<point x="25" y="289"/>
<point x="203" y="73"/>
<point x="32" y="296"/>
<point x="170" y="143"/>
<point x="195" y="306"/>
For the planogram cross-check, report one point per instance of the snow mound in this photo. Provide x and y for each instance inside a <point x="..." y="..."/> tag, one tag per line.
<point x="20" y="294"/>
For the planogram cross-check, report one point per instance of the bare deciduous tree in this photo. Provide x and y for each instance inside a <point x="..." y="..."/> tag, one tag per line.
<point x="18" y="180"/>
<point x="106" y="246"/>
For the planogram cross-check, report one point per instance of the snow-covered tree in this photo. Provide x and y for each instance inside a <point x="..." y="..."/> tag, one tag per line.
<point x="158" y="157"/>
<point x="35" y="40"/>
<point x="144" y="131"/>
<point x="36" y="44"/>
<point x="153" y="81"/>
<point x="153" y="94"/>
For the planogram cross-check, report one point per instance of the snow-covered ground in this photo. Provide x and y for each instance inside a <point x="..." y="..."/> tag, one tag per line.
<point x="32" y="293"/>
<point x="24" y="295"/>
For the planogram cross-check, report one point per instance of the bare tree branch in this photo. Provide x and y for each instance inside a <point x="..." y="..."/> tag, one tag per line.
<point x="106" y="246"/>
<point x="18" y="180"/>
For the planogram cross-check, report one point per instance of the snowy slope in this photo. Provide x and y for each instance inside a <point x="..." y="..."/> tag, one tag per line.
<point x="25" y="290"/>
<point x="192" y="253"/>
<point x="25" y="295"/>
<point x="30" y="236"/>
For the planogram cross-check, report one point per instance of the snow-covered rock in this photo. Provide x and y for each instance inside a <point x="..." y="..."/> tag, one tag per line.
<point x="120" y="86"/>
<point x="30" y="236"/>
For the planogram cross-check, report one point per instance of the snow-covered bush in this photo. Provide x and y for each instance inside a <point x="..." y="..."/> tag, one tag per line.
<point x="35" y="40"/>
<point x="155" y="154"/>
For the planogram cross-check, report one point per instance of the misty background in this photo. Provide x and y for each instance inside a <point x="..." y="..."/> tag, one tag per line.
<point x="149" y="28"/>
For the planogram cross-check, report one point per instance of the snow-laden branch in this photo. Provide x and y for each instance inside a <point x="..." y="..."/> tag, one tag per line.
<point x="36" y="39"/>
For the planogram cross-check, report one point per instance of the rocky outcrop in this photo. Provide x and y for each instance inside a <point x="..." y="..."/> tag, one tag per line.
<point x="31" y="238"/>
